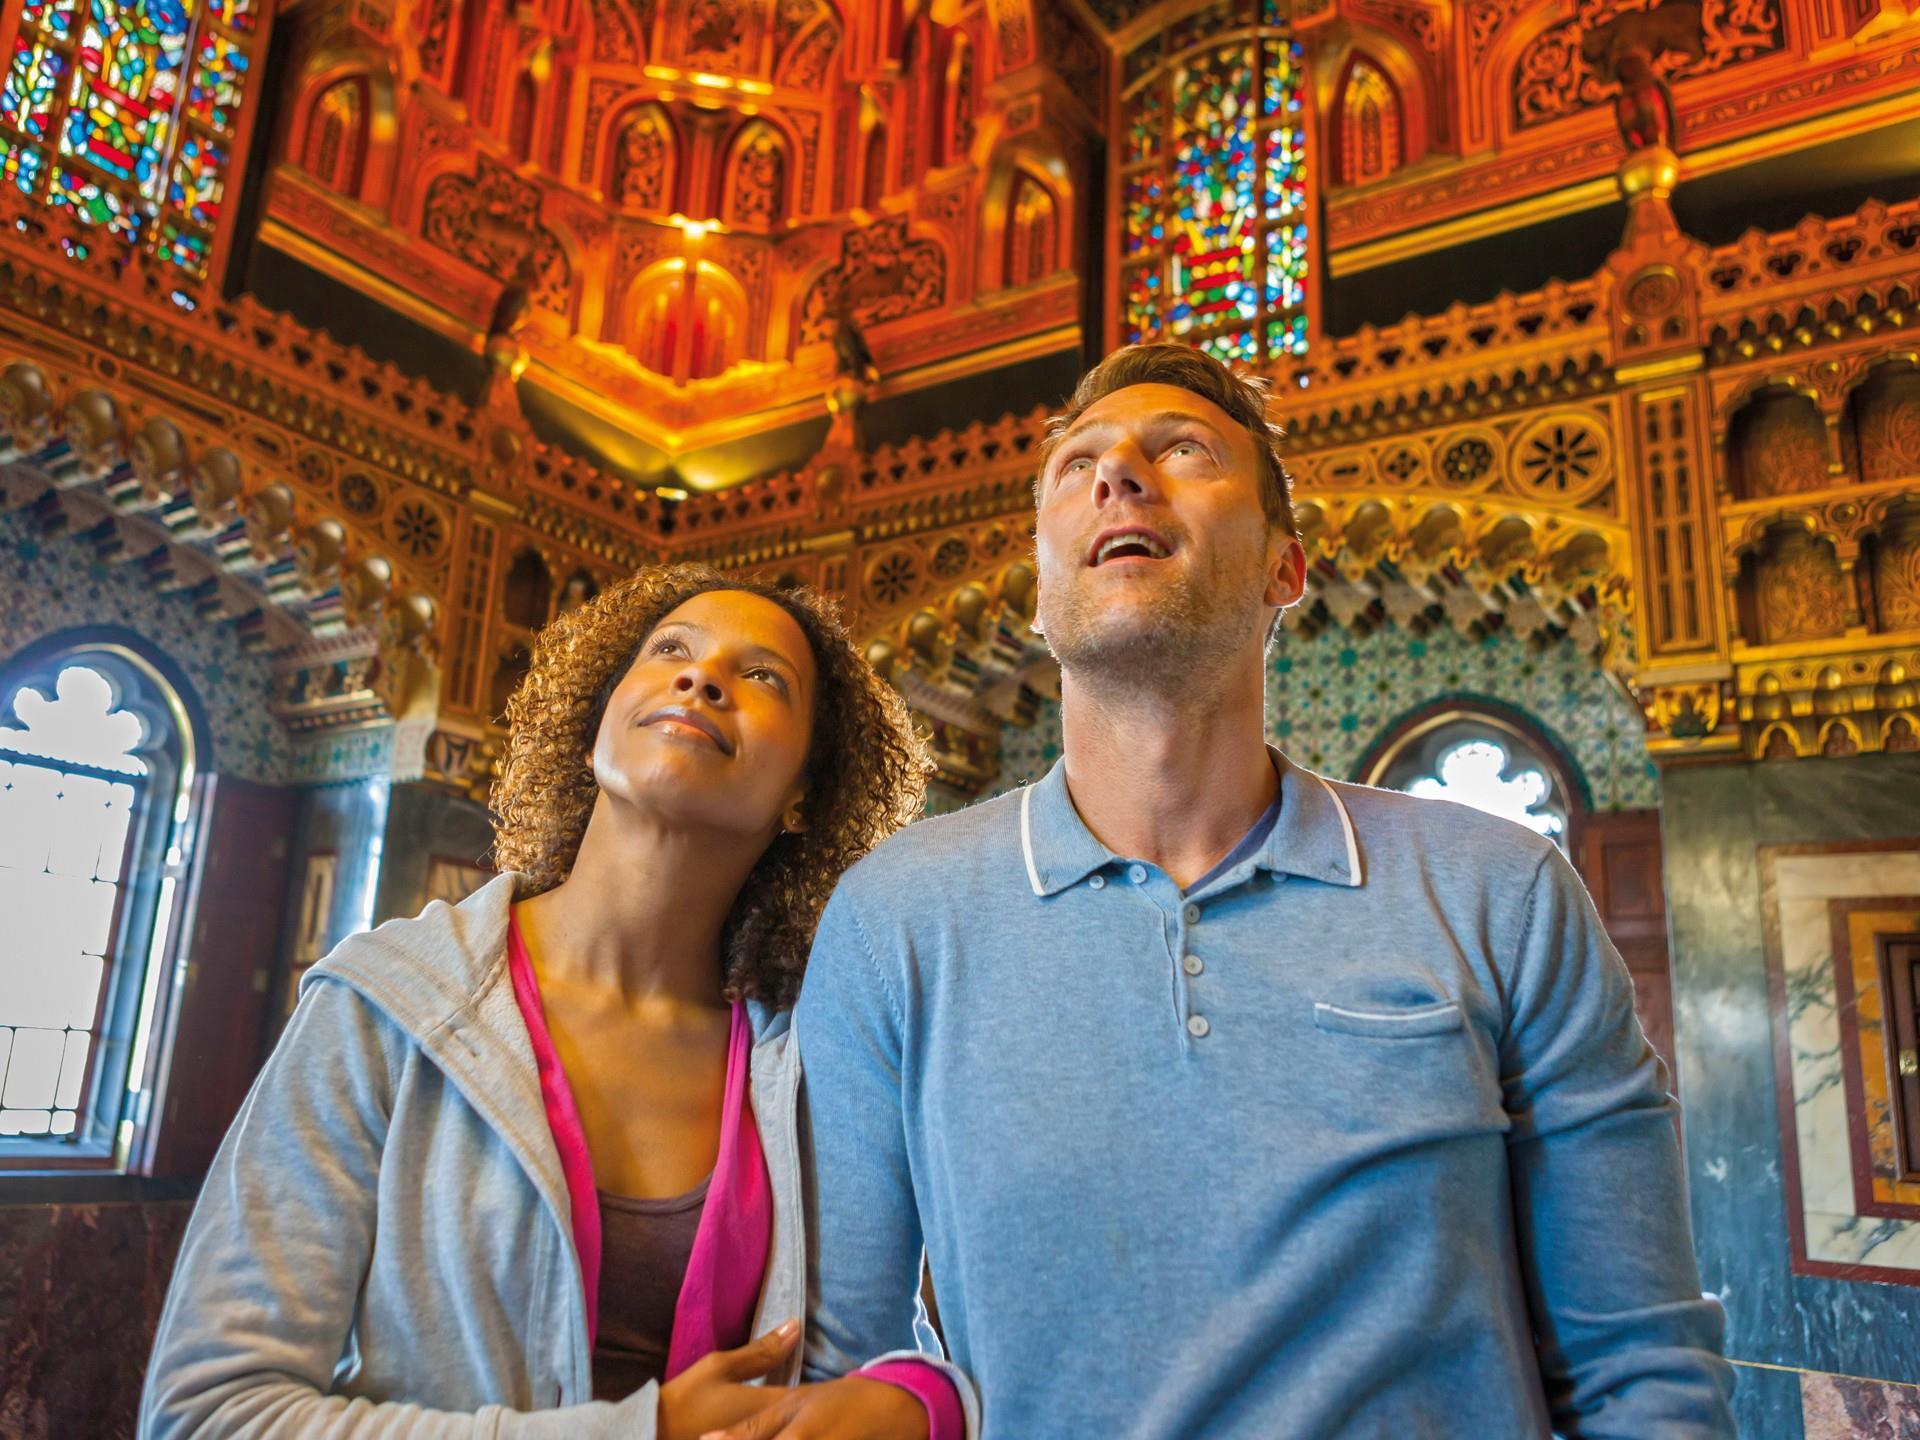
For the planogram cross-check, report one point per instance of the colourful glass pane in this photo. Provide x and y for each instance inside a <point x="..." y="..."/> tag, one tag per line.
<point x="219" y="73"/>
<point x="1287" y="335"/>
<point x="21" y="164"/>
<point x="1143" y="227"/>
<point x="1234" y="347"/>
<point x="1282" y="81"/>
<point x="184" y="248"/>
<point x="1214" y="163"/>
<point x="125" y="88"/>
<point x="1284" y="189"/>
<point x="234" y="14"/>
<point x="198" y="179"/>
<point x="55" y="17"/>
<point x="1142" y="288"/>
<point x="1287" y="268"/>
<point x="1146" y="125"/>
<point x="93" y="204"/>
<point x="33" y="82"/>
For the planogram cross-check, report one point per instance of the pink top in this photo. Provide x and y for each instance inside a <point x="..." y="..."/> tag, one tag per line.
<point x="735" y="1235"/>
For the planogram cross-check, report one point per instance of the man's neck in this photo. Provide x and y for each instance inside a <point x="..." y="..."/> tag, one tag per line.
<point x="1173" y="780"/>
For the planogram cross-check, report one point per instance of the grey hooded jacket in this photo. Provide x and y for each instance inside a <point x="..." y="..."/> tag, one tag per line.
<point x="383" y="1244"/>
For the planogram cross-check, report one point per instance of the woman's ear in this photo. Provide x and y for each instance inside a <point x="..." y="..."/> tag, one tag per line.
<point x="793" y="820"/>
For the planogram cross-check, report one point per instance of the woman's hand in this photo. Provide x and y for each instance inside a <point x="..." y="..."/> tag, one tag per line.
<point x="712" y="1392"/>
<point x="848" y="1409"/>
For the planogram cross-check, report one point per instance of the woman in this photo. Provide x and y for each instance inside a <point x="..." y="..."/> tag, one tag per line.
<point x="519" y="1167"/>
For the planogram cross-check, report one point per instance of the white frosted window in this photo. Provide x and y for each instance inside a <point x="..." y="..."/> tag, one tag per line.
<point x="1476" y="773"/>
<point x="68" y="795"/>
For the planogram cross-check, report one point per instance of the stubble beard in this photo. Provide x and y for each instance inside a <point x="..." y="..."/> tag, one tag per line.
<point x="1173" y="649"/>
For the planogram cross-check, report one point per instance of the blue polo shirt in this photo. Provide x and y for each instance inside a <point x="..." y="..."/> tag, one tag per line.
<point x="1359" y="1137"/>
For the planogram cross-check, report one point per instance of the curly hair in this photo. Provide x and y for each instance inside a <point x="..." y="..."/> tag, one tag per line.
<point x="866" y="770"/>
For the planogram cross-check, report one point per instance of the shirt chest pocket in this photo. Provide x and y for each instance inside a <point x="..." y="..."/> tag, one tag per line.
<point x="1406" y="1073"/>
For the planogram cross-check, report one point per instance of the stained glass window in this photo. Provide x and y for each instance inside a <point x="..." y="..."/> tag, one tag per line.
<point x="1213" y="191"/>
<point x="122" y="114"/>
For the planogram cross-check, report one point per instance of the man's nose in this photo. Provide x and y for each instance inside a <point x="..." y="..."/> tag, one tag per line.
<point x="1123" y="474"/>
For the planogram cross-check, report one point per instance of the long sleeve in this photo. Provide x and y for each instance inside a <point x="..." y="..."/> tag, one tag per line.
<point x="267" y="1285"/>
<point x="1628" y="1345"/>
<point x="864" y="1242"/>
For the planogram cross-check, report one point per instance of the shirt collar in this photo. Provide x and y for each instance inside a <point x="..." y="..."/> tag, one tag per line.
<point x="1313" y="838"/>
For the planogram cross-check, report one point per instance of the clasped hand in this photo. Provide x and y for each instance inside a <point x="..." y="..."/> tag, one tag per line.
<point x="711" y="1400"/>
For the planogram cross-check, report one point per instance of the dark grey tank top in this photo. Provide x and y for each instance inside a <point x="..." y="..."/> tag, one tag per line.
<point x="644" y="1249"/>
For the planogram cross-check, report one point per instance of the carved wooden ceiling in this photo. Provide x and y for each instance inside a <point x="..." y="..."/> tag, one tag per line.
<point x="692" y="225"/>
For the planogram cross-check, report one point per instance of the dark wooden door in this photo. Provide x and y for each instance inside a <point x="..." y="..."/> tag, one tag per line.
<point x="1618" y="855"/>
<point x="236" y="894"/>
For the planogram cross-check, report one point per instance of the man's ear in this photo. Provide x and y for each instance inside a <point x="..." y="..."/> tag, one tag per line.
<point x="1286" y="571"/>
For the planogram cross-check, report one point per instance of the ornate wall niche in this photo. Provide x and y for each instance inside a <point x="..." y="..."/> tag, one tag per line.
<point x="1884" y="417"/>
<point x="756" y="182"/>
<point x="338" y="134"/>
<point x="1034" y="230"/>
<point x="1777" y="445"/>
<point x="957" y="125"/>
<point x="1367" y="128"/>
<point x="807" y="36"/>
<point x="527" y="594"/>
<point x="1795" y="587"/>
<point x="645" y="160"/>
<point x="1896" y="570"/>
<point x="686" y="325"/>
<point x="885" y="272"/>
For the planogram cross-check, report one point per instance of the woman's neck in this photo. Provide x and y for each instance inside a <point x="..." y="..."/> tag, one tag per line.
<point x="642" y="909"/>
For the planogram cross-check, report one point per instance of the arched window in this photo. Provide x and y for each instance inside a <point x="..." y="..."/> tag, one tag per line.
<point x="1213" y="192"/>
<point x="96" y="762"/>
<point x="1033" y="226"/>
<point x="1482" y="758"/>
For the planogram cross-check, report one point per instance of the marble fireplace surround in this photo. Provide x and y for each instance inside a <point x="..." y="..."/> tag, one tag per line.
<point x="1849" y="1215"/>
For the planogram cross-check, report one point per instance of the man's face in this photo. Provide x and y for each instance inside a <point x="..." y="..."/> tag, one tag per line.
<point x="1157" y="561"/>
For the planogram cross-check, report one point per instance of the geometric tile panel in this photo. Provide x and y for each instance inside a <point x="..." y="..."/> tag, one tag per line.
<point x="50" y="583"/>
<point x="1331" y="697"/>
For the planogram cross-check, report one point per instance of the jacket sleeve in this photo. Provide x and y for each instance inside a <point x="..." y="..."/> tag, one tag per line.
<point x="1628" y="1345"/>
<point x="864" y="1243"/>
<point x="265" y="1291"/>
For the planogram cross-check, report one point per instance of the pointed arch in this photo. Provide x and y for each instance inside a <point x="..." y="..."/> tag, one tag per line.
<point x="1373" y="62"/>
<point x="1368" y="129"/>
<point x="1033" y="230"/>
<point x="334" y="148"/>
<point x="756" y="180"/>
<point x="644" y="159"/>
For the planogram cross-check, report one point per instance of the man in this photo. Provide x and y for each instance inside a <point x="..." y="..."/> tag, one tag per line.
<point x="1227" y="1100"/>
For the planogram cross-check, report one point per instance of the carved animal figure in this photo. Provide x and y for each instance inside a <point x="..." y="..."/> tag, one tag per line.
<point x="1672" y="28"/>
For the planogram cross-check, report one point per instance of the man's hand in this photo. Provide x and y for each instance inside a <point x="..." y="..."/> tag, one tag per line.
<point x="847" y="1409"/>
<point x="712" y="1392"/>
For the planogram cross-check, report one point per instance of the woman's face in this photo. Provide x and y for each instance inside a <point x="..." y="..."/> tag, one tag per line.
<point x="709" y="728"/>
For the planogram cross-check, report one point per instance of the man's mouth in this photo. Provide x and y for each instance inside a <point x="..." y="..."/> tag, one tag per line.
<point x="681" y="716"/>
<point x="1132" y="542"/>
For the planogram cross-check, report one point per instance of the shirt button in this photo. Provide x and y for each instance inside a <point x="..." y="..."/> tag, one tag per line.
<point x="1193" y="914"/>
<point x="1138" y="874"/>
<point x="1192" y="965"/>
<point x="1098" y="882"/>
<point x="1197" y="1026"/>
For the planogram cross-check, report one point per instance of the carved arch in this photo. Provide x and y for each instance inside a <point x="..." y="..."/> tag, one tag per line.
<point x="757" y="182"/>
<point x="684" y="325"/>
<point x="1033" y="165"/>
<point x="1405" y="72"/>
<point x="369" y="78"/>
<point x="644" y="158"/>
